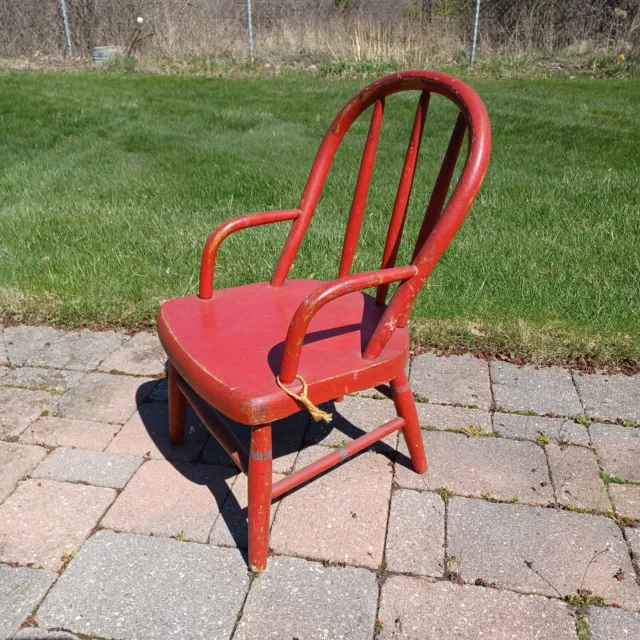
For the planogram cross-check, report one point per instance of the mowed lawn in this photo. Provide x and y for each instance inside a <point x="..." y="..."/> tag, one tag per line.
<point x="109" y="186"/>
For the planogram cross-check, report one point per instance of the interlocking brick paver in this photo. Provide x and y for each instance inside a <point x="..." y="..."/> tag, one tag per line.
<point x="413" y="608"/>
<point x="332" y="518"/>
<point x="287" y="440"/>
<point x="59" y="380"/>
<point x="105" y="397"/>
<point x="35" y="633"/>
<point x="480" y="466"/>
<point x="618" y="448"/>
<point x="62" y="432"/>
<point x="143" y="355"/>
<point x="132" y="587"/>
<point x="165" y="499"/>
<point x="230" y="528"/>
<point x="576" y="477"/>
<point x="93" y="467"/>
<point x="297" y="598"/>
<point x="19" y="407"/>
<point x="16" y="462"/>
<point x="438" y="416"/>
<point x="513" y="425"/>
<point x="415" y="537"/>
<point x="351" y="418"/>
<point x="49" y="347"/>
<point x="146" y="433"/>
<point x="43" y="520"/>
<point x="633" y="536"/>
<point x="529" y="388"/>
<point x="626" y="499"/>
<point x="160" y="392"/>
<point x="21" y="589"/>
<point x="451" y="380"/>
<point x="609" y="397"/>
<point x="540" y="550"/>
<point x="613" y="624"/>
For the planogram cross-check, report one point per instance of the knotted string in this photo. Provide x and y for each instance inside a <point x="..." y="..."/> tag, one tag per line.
<point x="316" y="413"/>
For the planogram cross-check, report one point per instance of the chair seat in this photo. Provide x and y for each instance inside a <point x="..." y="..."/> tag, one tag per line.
<point x="229" y="348"/>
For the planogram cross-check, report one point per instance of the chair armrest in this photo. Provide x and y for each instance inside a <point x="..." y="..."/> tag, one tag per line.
<point x="214" y="241"/>
<point x="324" y="294"/>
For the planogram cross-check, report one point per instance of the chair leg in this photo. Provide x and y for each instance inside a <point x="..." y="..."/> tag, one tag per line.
<point x="406" y="409"/>
<point x="177" y="408"/>
<point x="259" y="496"/>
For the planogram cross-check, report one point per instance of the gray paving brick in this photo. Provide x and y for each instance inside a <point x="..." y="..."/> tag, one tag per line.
<point x="143" y="355"/>
<point x="63" y="432"/>
<point x="59" y="380"/>
<point x="93" y="467"/>
<point x="160" y="392"/>
<point x="626" y="499"/>
<point x="613" y="624"/>
<point x="545" y="551"/>
<point x="105" y="397"/>
<point x="540" y="389"/>
<point x="297" y="598"/>
<point x="146" y="433"/>
<point x="166" y="499"/>
<point x="21" y="589"/>
<point x="633" y="536"/>
<point x="415" y="535"/>
<point x="131" y="587"/>
<point x="16" y="462"/>
<point x="287" y="440"/>
<point x="460" y="380"/>
<point x="19" y="407"/>
<point x="43" y="521"/>
<point x="479" y="466"/>
<point x="351" y="418"/>
<point x="576" y="477"/>
<point x="437" y="416"/>
<point x="333" y="518"/>
<point x="49" y="347"/>
<point x="415" y="608"/>
<point x="35" y="633"/>
<point x="609" y="397"/>
<point x="512" y="425"/>
<point x="618" y="448"/>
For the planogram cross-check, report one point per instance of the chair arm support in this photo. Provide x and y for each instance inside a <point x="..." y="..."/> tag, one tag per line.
<point x="324" y="294"/>
<point x="214" y="241"/>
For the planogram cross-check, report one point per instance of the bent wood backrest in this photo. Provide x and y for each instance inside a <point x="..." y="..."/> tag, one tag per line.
<point x="440" y="222"/>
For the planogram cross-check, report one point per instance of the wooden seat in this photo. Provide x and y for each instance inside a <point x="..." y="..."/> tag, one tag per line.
<point x="232" y="361"/>
<point x="260" y="352"/>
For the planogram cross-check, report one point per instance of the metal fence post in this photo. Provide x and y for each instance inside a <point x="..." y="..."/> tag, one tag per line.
<point x="474" y="40"/>
<point x="250" y="29"/>
<point x="67" y="32"/>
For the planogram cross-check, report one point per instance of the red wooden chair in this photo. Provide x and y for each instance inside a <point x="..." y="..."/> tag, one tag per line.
<point x="254" y="352"/>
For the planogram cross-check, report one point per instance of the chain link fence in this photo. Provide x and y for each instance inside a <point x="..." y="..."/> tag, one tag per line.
<point x="418" y="32"/>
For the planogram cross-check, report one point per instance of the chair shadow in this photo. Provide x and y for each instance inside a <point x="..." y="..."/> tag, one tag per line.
<point x="200" y="450"/>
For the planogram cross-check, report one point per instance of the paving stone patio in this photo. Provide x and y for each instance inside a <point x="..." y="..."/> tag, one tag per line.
<point x="526" y="525"/>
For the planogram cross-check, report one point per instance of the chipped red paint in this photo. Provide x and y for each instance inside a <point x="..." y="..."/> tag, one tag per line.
<point x="226" y="346"/>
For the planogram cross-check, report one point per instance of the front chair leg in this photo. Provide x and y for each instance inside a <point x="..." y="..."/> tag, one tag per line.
<point x="406" y="409"/>
<point x="259" y="496"/>
<point x="177" y="408"/>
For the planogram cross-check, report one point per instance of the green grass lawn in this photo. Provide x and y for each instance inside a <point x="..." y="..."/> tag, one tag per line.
<point x="110" y="184"/>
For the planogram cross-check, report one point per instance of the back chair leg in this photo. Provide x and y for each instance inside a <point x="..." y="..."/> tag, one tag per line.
<point x="259" y="496"/>
<point x="177" y="408"/>
<point x="406" y="409"/>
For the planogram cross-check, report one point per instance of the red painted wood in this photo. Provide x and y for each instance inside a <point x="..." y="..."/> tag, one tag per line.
<point x="406" y="409"/>
<point x="216" y="427"/>
<point x="259" y="496"/>
<point x="337" y="456"/>
<point x="399" y="213"/>
<point x="177" y="408"/>
<point x="226" y="347"/>
<point x="362" y="191"/>
<point x="443" y="181"/>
